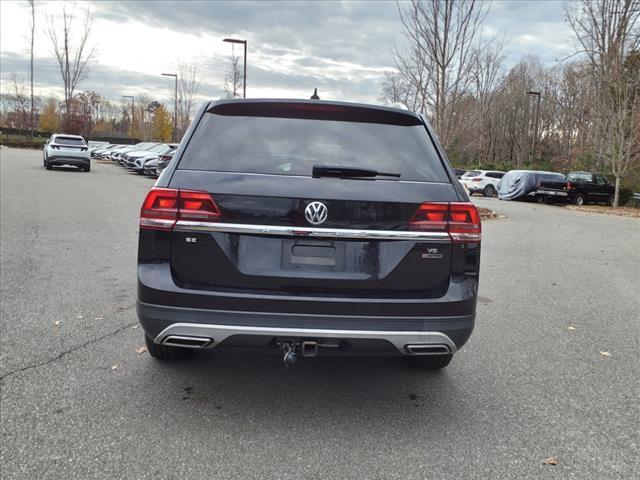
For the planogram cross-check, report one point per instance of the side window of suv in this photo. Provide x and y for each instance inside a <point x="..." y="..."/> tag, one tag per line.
<point x="600" y="180"/>
<point x="494" y="174"/>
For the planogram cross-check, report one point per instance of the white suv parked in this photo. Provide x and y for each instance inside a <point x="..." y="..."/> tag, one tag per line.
<point x="64" y="149"/>
<point x="482" y="181"/>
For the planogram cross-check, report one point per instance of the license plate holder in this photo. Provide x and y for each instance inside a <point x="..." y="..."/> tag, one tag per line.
<point x="314" y="255"/>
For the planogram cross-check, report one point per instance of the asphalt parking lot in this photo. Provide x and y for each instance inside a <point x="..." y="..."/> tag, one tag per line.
<point x="551" y="370"/>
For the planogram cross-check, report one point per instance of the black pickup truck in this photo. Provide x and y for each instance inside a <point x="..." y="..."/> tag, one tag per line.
<point x="578" y="188"/>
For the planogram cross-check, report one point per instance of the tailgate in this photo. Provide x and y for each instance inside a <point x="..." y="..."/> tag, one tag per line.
<point x="265" y="242"/>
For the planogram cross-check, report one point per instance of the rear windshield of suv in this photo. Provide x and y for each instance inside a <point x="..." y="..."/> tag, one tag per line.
<point x="69" y="141"/>
<point x="292" y="146"/>
<point x="472" y="173"/>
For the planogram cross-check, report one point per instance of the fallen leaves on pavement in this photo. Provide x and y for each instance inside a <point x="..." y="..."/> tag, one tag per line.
<point x="141" y="350"/>
<point x="604" y="353"/>
<point x="487" y="213"/>
<point x="551" y="461"/>
<point x="572" y="328"/>
<point x="57" y="322"/>
<point x="620" y="211"/>
<point x="114" y="367"/>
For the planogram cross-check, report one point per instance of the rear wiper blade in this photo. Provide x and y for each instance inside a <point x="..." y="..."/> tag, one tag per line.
<point x="342" y="172"/>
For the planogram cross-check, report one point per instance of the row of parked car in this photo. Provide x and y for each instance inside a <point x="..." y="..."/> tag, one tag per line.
<point x="544" y="187"/>
<point x="145" y="158"/>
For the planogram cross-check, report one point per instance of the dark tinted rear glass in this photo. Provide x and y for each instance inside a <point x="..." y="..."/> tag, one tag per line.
<point x="579" y="177"/>
<point x="292" y="146"/>
<point x="69" y="141"/>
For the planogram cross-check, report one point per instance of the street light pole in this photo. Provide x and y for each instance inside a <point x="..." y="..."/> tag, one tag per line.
<point x="534" y="140"/>
<point x="244" y="63"/>
<point x="133" y="112"/>
<point x="175" y="105"/>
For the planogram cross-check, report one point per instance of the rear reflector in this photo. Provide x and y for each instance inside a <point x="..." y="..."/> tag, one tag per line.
<point x="460" y="220"/>
<point x="163" y="207"/>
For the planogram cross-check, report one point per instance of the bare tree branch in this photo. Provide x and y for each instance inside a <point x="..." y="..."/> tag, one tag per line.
<point x="188" y="86"/>
<point x="73" y="54"/>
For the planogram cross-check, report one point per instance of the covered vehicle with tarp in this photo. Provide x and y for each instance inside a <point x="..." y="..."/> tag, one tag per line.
<point x="519" y="184"/>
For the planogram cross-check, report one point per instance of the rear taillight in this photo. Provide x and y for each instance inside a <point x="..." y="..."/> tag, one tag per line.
<point x="430" y="217"/>
<point x="160" y="209"/>
<point x="569" y="186"/>
<point x="197" y="206"/>
<point x="477" y="179"/>
<point x="163" y="207"/>
<point x="460" y="220"/>
<point x="464" y="222"/>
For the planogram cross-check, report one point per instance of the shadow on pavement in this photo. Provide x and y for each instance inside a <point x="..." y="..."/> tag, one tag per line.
<point x="338" y="391"/>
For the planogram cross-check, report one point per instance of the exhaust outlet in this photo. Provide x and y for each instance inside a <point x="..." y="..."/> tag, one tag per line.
<point x="426" y="349"/>
<point x="187" y="342"/>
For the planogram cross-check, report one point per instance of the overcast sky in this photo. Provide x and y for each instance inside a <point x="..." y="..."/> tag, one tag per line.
<point x="343" y="48"/>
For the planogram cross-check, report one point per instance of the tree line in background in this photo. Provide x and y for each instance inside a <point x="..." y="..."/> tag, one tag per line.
<point x="583" y="113"/>
<point x="88" y="113"/>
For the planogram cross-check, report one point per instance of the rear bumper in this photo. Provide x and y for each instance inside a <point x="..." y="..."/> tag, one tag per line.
<point x="161" y="322"/>
<point x="74" y="161"/>
<point x="556" y="194"/>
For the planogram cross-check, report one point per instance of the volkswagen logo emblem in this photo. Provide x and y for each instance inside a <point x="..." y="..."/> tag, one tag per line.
<point x="316" y="213"/>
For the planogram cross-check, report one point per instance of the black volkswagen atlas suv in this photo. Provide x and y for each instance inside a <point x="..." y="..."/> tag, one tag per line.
<point x="308" y="228"/>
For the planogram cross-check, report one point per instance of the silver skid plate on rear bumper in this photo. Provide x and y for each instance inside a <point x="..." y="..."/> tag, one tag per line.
<point x="219" y="333"/>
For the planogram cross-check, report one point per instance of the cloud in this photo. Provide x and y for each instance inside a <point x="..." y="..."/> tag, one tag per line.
<point x="349" y="31"/>
<point x="103" y="79"/>
<point x="343" y="48"/>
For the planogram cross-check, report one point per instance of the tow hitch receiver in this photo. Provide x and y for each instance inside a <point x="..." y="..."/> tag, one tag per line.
<point x="308" y="348"/>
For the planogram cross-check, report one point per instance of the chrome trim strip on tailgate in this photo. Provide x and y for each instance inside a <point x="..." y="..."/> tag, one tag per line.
<point x="190" y="226"/>
<point x="219" y="333"/>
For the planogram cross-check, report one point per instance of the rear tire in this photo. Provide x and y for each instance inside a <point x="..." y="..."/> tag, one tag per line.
<point x="489" y="191"/>
<point x="164" y="352"/>
<point x="579" y="200"/>
<point x="430" y="362"/>
<point x="610" y="200"/>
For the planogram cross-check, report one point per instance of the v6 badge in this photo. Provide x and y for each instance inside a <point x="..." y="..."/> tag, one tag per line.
<point x="432" y="253"/>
